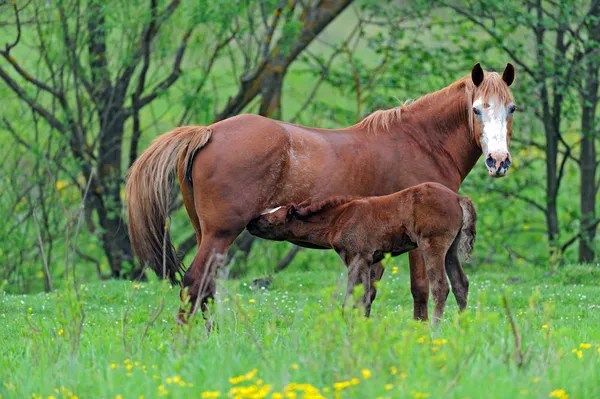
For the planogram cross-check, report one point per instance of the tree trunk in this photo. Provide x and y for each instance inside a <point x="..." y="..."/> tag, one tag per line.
<point x="588" y="162"/>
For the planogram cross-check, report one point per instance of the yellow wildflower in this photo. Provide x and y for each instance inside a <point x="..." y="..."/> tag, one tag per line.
<point x="118" y="397"/>
<point x="536" y="380"/>
<point x="168" y="380"/>
<point x="137" y="286"/>
<point x="394" y="269"/>
<point x="388" y="387"/>
<point x="421" y="339"/>
<point x="420" y="395"/>
<point x="585" y="346"/>
<point x="365" y="373"/>
<point x="559" y="393"/>
<point x="211" y="394"/>
<point x="403" y="375"/>
<point x="61" y="331"/>
<point x="355" y="381"/>
<point x="393" y="370"/>
<point x="277" y="395"/>
<point x="294" y="366"/>
<point x="545" y="326"/>
<point x="129" y="367"/>
<point x="61" y="184"/>
<point x="440" y="342"/>
<point x="176" y="379"/>
<point x="291" y="395"/>
<point x="251" y="301"/>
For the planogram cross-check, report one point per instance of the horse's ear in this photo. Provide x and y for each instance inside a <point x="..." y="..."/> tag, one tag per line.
<point x="477" y="74"/>
<point x="508" y="76"/>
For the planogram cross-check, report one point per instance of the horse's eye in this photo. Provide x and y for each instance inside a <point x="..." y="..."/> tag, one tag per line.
<point x="511" y="109"/>
<point x="476" y="111"/>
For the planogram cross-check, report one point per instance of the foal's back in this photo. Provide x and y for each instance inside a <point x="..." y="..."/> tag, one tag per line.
<point x="397" y="223"/>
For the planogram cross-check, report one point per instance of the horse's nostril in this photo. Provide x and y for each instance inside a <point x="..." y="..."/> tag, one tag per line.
<point x="490" y="162"/>
<point x="507" y="163"/>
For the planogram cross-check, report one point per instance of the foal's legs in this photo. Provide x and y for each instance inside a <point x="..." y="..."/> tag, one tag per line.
<point x="359" y="272"/>
<point x="434" y="256"/>
<point x="458" y="279"/>
<point x="419" y="285"/>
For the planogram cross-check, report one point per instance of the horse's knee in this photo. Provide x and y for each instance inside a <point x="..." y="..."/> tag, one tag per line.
<point x="420" y="292"/>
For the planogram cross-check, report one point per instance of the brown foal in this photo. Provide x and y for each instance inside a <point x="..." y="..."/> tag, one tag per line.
<point x="429" y="216"/>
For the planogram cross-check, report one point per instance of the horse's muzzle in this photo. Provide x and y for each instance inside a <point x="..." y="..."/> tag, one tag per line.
<point x="498" y="163"/>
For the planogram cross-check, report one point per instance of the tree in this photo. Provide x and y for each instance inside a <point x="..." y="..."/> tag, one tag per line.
<point x="103" y="66"/>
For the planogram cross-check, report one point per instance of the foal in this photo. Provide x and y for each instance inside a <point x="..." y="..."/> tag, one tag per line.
<point x="429" y="216"/>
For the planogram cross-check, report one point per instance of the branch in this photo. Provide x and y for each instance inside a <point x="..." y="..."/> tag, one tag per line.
<point x="498" y="39"/>
<point x="9" y="46"/>
<point x="172" y="78"/>
<point x="577" y="236"/>
<point x="35" y="106"/>
<point x="522" y="198"/>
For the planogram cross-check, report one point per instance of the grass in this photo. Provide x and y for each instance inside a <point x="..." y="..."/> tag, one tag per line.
<point x="293" y="335"/>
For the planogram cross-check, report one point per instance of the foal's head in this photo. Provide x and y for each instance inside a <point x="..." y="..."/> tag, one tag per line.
<point x="274" y="224"/>
<point x="492" y="116"/>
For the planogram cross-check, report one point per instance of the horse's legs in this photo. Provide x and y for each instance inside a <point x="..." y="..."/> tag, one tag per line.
<point x="199" y="278"/>
<point x="458" y="279"/>
<point x="419" y="285"/>
<point x="434" y="256"/>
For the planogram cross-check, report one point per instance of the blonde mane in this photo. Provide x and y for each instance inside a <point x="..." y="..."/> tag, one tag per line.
<point x="492" y="87"/>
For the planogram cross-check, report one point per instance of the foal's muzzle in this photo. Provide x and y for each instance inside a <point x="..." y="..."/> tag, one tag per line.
<point x="497" y="163"/>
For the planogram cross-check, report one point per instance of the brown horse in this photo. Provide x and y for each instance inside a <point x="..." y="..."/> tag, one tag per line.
<point x="429" y="216"/>
<point x="234" y="170"/>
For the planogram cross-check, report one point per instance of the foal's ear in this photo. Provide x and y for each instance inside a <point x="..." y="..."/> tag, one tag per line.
<point x="508" y="75"/>
<point x="291" y="212"/>
<point x="477" y="74"/>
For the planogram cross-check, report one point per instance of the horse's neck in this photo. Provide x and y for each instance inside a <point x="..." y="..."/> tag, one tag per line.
<point x="442" y="121"/>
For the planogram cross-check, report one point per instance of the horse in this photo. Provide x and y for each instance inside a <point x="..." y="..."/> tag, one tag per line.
<point x="428" y="216"/>
<point x="233" y="170"/>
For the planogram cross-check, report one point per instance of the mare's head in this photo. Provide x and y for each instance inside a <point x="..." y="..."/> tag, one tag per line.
<point x="492" y="116"/>
<point x="273" y="224"/>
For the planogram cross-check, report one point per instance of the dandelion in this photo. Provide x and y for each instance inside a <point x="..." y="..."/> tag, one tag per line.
<point x="393" y="370"/>
<point x="394" y="269"/>
<point x="388" y="387"/>
<point x="30" y="309"/>
<point x="421" y="339"/>
<point x="137" y="286"/>
<point x="365" y="373"/>
<point x="277" y="395"/>
<point x="536" y="380"/>
<point x="291" y="395"/>
<point x="294" y="366"/>
<point x="420" y="395"/>
<point x="61" y="184"/>
<point x="355" y="381"/>
<point x="440" y="342"/>
<point x="61" y="331"/>
<point x="129" y="367"/>
<point x="176" y="379"/>
<point x="118" y="397"/>
<point x="545" y="327"/>
<point x="251" y="301"/>
<point x="211" y="394"/>
<point x="559" y="393"/>
<point x="403" y="375"/>
<point x="168" y="380"/>
<point x="585" y="346"/>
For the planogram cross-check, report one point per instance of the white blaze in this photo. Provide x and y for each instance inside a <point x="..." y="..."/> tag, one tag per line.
<point x="493" y="118"/>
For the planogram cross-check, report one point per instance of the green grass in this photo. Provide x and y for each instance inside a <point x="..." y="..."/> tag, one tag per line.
<point x="295" y="333"/>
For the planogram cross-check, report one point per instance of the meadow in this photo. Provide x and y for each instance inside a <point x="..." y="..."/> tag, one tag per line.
<point x="525" y="334"/>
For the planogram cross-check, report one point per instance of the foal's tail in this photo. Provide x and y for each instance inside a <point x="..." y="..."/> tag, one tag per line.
<point x="466" y="237"/>
<point x="148" y="190"/>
